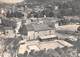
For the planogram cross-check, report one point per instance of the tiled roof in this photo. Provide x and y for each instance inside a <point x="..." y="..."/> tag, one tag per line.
<point x="37" y="27"/>
<point x="41" y="27"/>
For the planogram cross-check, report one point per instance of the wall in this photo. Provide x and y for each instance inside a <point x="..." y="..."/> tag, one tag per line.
<point x="30" y="35"/>
<point x="35" y="35"/>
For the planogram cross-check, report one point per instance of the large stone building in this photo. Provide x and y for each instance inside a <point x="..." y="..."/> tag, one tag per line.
<point x="38" y="46"/>
<point x="36" y="31"/>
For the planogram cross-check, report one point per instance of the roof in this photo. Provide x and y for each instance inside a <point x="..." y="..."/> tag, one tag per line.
<point x="38" y="27"/>
<point x="53" y="19"/>
<point x="8" y="28"/>
<point x="30" y="27"/>
<point x="11" y="1"/>
<point x="72" y="17"/>
<point x="50" y="45"/>
<point x="3" y="28"/>
<point x="41" y="27"/>
<point x="70" y="27"/>
<point x="49" y="36"/>
<point x="33" y="47"/>
<point x="64" y="43"/>
<point x="37" y="46"/>
<point x="23" y="30"/>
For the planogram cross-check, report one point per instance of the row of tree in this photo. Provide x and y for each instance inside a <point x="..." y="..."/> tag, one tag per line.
<point x="66" y="8"/>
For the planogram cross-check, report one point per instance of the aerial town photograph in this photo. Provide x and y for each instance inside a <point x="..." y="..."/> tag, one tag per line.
<point x="39" y="28"/>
